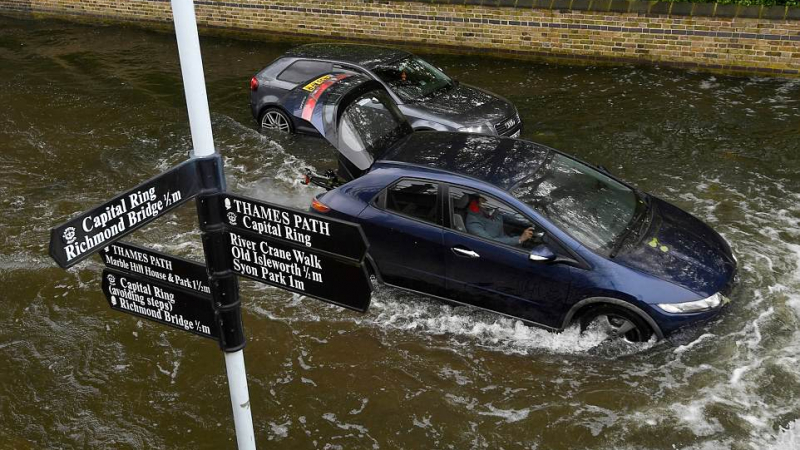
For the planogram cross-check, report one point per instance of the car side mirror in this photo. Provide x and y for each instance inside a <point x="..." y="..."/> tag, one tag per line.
<point x="542" y="253"/>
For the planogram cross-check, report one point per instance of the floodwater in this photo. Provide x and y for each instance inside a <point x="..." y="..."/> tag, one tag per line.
<point x="88" y="112"/>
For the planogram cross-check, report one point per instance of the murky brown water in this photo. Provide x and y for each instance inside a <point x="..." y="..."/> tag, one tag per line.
<point x="88" y="112"/>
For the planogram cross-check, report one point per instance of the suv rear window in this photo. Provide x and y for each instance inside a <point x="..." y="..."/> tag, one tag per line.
<point x="301" y="71"/>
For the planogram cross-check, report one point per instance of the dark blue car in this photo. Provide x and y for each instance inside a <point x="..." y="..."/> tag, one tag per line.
<point x="512" y="226"/>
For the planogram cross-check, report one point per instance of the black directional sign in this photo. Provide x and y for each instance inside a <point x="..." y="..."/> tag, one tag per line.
<point x="298" y="269"/>
<point x="90" y="231"/>
<point x="309" y="254"/>
<point x="161" y="303"/>
<point x="299" y="228"/>
<point x="157" y="266"/>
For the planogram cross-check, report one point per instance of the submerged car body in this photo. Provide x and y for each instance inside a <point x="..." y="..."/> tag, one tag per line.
<point x="599" y="251"/>
<point x="428" y="98"/>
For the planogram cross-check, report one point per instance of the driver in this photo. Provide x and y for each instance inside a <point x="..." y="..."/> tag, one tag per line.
<point x="481" y="223"/>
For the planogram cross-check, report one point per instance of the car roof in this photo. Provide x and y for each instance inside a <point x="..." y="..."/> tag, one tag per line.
<point x="500" y="161"/>
<point x="363" y="55"/>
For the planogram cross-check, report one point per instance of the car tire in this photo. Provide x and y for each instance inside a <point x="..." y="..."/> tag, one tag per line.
<point x="617" y="322"/>
<point x="276" y="120"/>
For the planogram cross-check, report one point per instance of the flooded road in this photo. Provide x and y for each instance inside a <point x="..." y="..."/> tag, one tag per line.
<point x="88" y="112"/>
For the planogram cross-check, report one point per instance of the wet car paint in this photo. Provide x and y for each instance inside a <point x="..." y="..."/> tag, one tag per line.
<point x="416" y="255"/>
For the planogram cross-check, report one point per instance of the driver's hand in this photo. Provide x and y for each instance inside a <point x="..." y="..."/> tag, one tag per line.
<point x="526" y="235"/>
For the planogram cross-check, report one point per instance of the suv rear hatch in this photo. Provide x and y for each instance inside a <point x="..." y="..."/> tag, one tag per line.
<point x="355" y="114"/>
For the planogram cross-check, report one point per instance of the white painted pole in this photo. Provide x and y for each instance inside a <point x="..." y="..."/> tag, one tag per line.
<point x="240" y="400"/>
<point x="194" y="86"/>
<point x="194" y="83"/>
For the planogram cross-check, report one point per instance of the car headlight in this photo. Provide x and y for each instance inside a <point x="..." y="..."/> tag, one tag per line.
<point x="705" y="304"/>
<point x="482" y="129"/>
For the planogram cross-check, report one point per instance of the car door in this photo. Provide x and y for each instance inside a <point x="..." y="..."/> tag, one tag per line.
<point x="490" y="274"/>
<point x="403" y="226"/>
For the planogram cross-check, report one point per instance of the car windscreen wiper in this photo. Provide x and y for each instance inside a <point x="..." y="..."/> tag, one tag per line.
<point x="642" y="209"/>
<point x="435" y="92"/>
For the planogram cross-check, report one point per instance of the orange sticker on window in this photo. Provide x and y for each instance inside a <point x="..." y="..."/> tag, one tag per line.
<point x="313" y="85"/>
<point x="325" y="82"/>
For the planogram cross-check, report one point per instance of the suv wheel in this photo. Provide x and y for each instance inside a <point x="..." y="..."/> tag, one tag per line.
<point x="275" y="119"/>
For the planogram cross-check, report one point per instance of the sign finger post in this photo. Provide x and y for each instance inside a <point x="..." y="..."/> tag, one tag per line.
<point x="316" y="256"/>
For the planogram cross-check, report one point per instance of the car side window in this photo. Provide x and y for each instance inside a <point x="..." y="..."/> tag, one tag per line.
<point x="414" y="198"/>
<point x="304" y="70"/>
<point x="478" y="214"/>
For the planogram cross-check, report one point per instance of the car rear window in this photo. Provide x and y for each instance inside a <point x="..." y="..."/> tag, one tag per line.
<point x="301" y="71"/>
<point x="414" y="198"/>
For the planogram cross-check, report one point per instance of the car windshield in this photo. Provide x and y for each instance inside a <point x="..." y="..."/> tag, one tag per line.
<point x="413" y="79"/>
<point x="590" y="206"/>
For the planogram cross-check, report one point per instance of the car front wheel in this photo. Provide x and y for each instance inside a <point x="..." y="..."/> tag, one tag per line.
<point x="277" y="120"/>
<point x="616" y="322"/>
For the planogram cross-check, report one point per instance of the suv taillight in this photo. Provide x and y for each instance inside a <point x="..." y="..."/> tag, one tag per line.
<point x="317" y="205"/>
<point x="253" y="83"/>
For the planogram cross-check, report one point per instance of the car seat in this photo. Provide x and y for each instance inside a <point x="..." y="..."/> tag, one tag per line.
<point x="459" y="212"/>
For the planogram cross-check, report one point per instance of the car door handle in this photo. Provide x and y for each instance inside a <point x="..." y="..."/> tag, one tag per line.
<point x="465" y="252"/>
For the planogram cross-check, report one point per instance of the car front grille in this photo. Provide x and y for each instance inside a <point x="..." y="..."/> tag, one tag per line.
<point x="508" y="125"/>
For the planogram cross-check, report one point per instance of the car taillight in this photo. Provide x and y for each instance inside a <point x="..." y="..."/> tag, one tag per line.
<point x="319" y="206"/>
<point x="253" y="83"/>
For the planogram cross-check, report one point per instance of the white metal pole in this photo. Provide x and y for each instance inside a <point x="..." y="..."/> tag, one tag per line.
<point x="194" y="86"/>
<point x="240" y="400"/>
<point x="194" y="83"/>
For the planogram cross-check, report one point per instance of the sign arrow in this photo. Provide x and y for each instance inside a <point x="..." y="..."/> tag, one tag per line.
<point x="140" y="296"/>
<point x="84" y="235"/>
<point x="340" y="281"/>
<point x="294" y="227"/>
<point x="157" y="266"/>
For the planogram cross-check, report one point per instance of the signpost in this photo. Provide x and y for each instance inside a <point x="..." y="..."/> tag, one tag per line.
<point x="294" y="250"/>
<point x="161" y="303"/>
<point x="299" y="228"/>
<point x="158" y="266"/>
<point x="82" y="236"/>
<point x="304" y="253"/>
<point x="278" y="264"/>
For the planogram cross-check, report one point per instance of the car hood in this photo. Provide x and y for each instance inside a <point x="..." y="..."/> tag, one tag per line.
<point x="680" y="248"/>
<point x="467" y="105"/>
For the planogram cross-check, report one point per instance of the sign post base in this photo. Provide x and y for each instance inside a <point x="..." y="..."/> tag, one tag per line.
<point x="240" y="400"/>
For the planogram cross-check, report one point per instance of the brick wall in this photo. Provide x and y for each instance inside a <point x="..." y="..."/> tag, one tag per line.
<point x="707" y="36"/>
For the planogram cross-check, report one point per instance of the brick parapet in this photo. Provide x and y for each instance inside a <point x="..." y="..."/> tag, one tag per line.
<point x="697" y="35"/>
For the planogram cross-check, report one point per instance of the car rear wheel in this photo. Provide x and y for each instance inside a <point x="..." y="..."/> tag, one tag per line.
<point x="277" y="120"/>
<point x="616" y="323"/>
